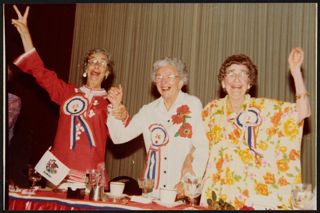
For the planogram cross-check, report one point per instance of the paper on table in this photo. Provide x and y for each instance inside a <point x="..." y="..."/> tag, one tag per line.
<point x="50" y="167"/>
<point x="169" y="205"/>
<point x="29" y="191"/>
<point x="311" y="204"/>
<point x="140" y="199"/>
<point x="314" y="199"/>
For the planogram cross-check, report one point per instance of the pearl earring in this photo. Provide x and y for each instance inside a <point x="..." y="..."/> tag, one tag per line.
<point x="107" y="74"/>
<point x="84" y="74"/>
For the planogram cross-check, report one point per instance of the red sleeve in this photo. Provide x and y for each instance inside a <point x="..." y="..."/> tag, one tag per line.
<point x="31" y="63"/>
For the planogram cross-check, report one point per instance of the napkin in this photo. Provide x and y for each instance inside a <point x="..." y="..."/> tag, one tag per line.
<point x="312" y="204"/>
<point x="72" y="185"/>
<point x="29" y="191"/>
<point x="140" y="199"/>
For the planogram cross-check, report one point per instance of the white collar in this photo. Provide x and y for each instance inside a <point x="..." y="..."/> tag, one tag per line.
<point x="93" y="92"/>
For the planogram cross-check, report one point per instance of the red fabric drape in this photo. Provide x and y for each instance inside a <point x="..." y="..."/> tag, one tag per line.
<point x="43" y="205"/>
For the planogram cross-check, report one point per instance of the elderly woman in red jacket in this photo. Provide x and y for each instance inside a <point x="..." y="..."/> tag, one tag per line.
<point x="81" y="137"/>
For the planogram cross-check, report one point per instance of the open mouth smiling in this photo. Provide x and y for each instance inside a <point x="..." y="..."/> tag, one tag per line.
<point x="165" y="89"/>
<point x="95" y="73"/>
<point x="236" y="87"/>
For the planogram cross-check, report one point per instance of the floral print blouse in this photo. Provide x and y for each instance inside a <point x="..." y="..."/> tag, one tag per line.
<point x="254" y="156"/>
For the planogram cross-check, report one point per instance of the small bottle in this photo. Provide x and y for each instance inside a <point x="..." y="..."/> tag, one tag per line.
<point x="87" y="182"/>
<point x="103" y="178"/>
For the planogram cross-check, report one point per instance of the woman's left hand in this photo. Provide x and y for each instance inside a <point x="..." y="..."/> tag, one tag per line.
<point x="115" y="96"/>
<point x="295" y="60"/>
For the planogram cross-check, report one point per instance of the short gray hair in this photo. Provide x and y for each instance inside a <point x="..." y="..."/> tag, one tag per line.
<point x="176" y="63"/>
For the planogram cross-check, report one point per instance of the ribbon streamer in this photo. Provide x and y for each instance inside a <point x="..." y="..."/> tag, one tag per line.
<point x="159" y="138"/>
<point x="247" y="120"/>
<point x="75" y="107"/>
<point x="153" y="165"/>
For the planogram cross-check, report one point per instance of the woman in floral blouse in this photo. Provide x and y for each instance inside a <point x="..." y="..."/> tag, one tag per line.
<point x="254" y="143"/>
<point x="171" y="126"/>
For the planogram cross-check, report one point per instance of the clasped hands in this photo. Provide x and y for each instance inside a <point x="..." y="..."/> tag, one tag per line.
<point x="114" y="95"/>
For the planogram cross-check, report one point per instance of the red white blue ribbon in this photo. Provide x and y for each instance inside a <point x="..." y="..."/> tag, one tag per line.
<point x="247" y="120"/>
<point x="75" y="107"/>
<point x="159" y="138"/>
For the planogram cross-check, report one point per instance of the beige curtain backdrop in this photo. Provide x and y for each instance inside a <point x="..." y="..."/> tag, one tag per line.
<point x="202" y="35"/>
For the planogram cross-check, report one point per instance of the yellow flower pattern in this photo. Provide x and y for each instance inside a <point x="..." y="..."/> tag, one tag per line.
<point x="262" y="189"/>
<point x="243" y="174"/>
<point x="245" y="156"/>
<point x="290" y="128"/>
<point x="263" y="145"/>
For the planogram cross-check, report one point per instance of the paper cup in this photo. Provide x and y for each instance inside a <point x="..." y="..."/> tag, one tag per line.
<point x="168" y="195"/>
<point x="116" y="188"/>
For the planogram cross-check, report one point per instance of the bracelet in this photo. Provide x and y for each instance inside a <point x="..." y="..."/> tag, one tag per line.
<point x="302" y="95"/>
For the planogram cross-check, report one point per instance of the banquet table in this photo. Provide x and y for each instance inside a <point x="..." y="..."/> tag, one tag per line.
<point x="49" y="200"/>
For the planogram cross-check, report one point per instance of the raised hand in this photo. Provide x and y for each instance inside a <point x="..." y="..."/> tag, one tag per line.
<point x="22" y="27"/>
<point x="295" y="60"/>
<point x="115" y="96"/>
<point x="21" y="22"/>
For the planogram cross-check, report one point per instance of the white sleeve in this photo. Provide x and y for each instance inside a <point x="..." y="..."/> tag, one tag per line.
<point x="121" y="134"/>
<point x="200" y="142"/>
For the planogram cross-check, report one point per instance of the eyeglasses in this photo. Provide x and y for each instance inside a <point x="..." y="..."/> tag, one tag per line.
<point x="169" y="78"/>
<point x="94" y="61"/>
<point x="232" y="74"/>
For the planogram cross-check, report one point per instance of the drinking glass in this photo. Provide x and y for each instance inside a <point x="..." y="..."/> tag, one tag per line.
<point x="192" y="188"/>
<point x="33" y="176"/>
<point x="146" y="185"/>
<point x="301" y="196"/>
<point x="94" y="177"/>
